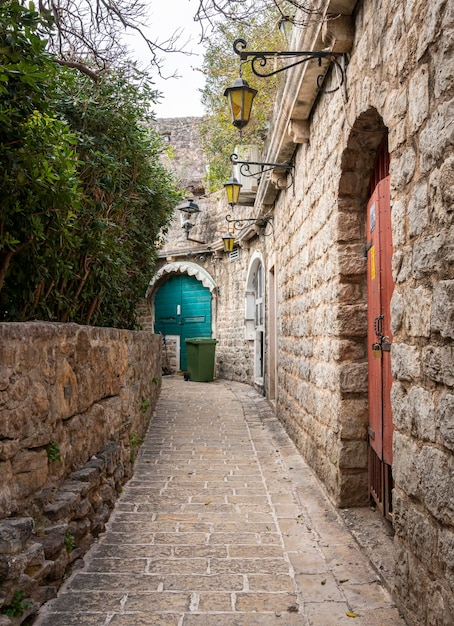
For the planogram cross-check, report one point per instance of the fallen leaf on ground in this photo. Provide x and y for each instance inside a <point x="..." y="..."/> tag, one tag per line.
<point x="351" y="614"/>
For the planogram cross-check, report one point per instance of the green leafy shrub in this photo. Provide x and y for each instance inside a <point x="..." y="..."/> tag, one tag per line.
<point x="53" y="451"/>
<point x="18" y="605"/>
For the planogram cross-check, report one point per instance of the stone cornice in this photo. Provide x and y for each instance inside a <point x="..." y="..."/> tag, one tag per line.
<point x="294" y="102"/>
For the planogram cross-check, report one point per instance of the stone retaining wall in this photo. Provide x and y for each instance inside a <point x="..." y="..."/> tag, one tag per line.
<point x="74" y="404"/>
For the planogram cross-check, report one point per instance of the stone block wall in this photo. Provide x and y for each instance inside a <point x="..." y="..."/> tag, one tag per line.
<point x="399" y="82"/>
<point x="74" y="404"/>
<point x="235" y="354"/>
<point x="184" y="156"/>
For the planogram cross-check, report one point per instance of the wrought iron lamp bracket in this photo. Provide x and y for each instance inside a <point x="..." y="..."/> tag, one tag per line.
<point x="260" y="59"/>
<point x="281" y="180"/>
<point x="243" y="222"/>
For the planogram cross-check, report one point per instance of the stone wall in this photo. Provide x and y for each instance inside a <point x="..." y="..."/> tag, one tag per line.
<point x="74" y="404"/>
<point x="184" y="154"/>
<point x="399" y="82"/>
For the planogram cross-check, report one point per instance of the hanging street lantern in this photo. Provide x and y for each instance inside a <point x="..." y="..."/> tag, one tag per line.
<point x="228" y="240"/>
<point x="232" y="188"/>
<point x="240" y="98"/>
<point x="189" y="210"/>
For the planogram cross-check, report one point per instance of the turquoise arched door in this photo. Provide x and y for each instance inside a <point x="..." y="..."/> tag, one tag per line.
<point x="183" y="308"/>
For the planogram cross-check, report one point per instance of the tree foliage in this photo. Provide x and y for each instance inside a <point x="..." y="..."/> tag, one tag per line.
<point x="221" y="68"/>
<point x="83" y="194"/>
<point x="38" y="182"/>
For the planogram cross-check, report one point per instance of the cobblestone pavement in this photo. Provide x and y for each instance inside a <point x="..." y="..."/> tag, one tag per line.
<point x="222" y="524"/>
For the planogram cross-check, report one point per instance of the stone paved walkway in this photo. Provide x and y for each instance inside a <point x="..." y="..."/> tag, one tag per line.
<point x="222" y="524"/>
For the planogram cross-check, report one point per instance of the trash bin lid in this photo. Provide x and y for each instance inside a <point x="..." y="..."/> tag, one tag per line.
<point x="201" y="340"/>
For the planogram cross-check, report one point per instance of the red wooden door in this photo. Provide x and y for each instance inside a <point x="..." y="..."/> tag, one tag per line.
<point x="379" y="291"/>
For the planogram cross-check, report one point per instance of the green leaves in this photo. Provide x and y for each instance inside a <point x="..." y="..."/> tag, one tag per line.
<point x="83" y="194"/>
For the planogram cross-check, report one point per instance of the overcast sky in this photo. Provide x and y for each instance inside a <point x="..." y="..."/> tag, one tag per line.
<point x="180" y="95"/>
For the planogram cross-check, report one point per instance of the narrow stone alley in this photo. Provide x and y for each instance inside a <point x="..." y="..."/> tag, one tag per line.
<point x="222" y="524"/>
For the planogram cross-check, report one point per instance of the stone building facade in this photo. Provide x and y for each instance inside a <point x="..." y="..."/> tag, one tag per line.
<point x="293" y="308"/>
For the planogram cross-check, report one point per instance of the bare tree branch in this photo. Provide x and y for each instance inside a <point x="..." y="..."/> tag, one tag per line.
<point x="299" y="12"/>
<point x="89" y="32"/>
<point x="81" y="67"/>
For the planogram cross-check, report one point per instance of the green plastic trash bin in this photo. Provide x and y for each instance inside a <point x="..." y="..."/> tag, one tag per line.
<point x="200" y="353"/>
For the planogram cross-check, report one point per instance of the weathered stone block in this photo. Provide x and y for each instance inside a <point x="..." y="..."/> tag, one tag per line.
<point x="396" y="311"/>
<point x="418" y="209"/>
<point x="107" y="493"/>
<point x="30" y="471"/>
<point x="8" y="448"/>
<point x="353" y="378"/>
<point x="402" y="264"/>
<point x="351" y="259"/>
<point x="417" y="531"/>
<point x="110" y="456"/>
<point x="63" y="506"/>
<point x="353" y="418"/>
<point x="83" y="510"/>
<point x="5" y="490"/>
<point x="29" y="461"/>
<point x="418" y="97"/>
<point x="353" y="455"/>
<point x="442" y="318"/>
<point x="417" y="311"/>
<point x="350" y="320"/>
<point x="446" y="548"/>
<point x="445" y="420"/>
<point x="66" y="392"/>
<point x="353" y="489"/>
<point x="446" y="184"/>
<point x="79" y="528"/>
<point x="422" y="414"/>
<point x="440" y="603"/>
<point x="399" y="403"/>
<point x="436" y="469"/>
<point x="438" y="364"/>
<point x="437" y="136"/>
<point x="410" y="580"/>
<point x="28" y="560"/>
<point x="405" y="362"/>
<point x="86" y="474"/>
<point x="434" y="254"/>
<point x="24" y="409"/>
<point x="52" y="539"/>
<point x="402" y="168"/>
<point x="75" y="486"/>
<point x="406" y="464"/>
<point x="15" y="533"/>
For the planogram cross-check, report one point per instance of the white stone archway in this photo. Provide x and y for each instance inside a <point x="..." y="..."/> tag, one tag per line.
<point x="255" y="313"/>
<point x="182" y="267"/>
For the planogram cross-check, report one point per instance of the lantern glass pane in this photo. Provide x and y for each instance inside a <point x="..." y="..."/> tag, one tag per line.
<point x="247" y="104"/>
<point x="237" y="104"/>
<point x="228" y="241"/>
<point x="233" y="191"/>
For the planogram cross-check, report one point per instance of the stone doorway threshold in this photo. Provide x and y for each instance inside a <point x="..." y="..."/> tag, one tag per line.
<point x="375" y="536"/>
